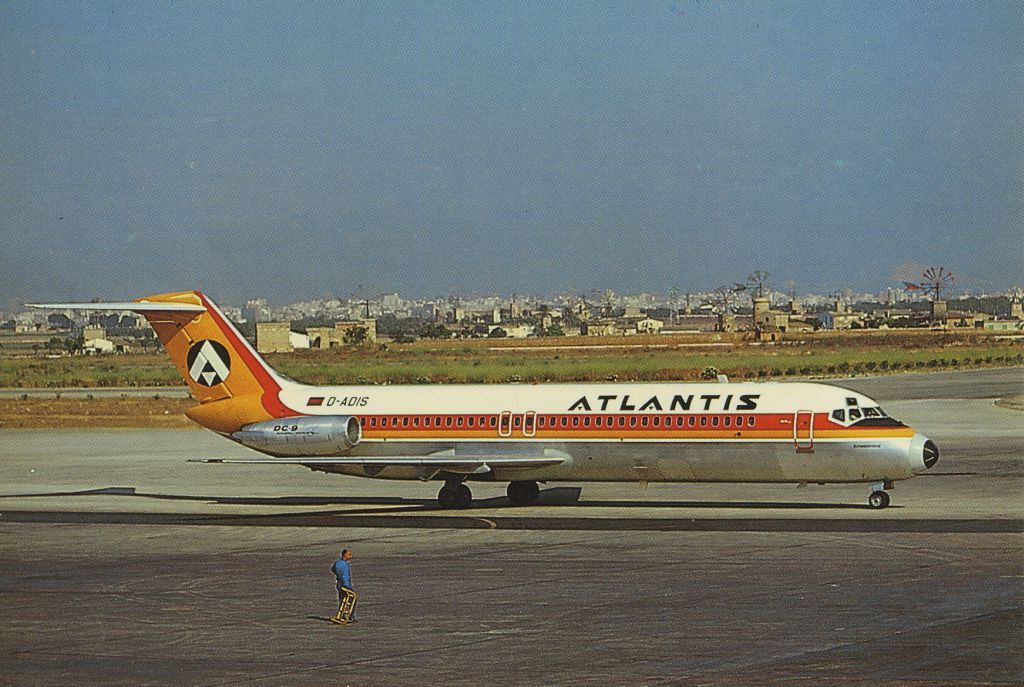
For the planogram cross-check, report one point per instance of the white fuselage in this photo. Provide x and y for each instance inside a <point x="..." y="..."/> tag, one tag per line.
<point x="676" y="432"/>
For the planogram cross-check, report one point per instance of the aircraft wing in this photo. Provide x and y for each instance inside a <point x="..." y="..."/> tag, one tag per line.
<point x="417" y="461"/>
<point x="449" y="461"/>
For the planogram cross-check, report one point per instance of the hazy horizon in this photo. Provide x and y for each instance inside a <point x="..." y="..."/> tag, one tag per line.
<point x="288" y="150"/>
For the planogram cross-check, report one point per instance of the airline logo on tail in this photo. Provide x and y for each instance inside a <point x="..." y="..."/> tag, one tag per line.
<point x="208" y="362"/>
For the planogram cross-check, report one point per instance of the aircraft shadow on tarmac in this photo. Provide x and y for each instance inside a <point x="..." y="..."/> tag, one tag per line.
<point x="554" y="497"/>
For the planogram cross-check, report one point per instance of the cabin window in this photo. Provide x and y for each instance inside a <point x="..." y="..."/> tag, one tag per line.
<point x="458" y="421"/>
<point x="565" y="422"/>
<point x="728" y="421"/>
<point x="472" y="421"/>
<point x="691" y="421"/>
<point x="714" y="421"/>
<point x="373" y="422"/>
<point x="597" y="421"/>
<point x="679" y="421"/>
<point x="622" y="421"/>
<point x="704" y="421"/>
<point x="657" y="422"/>
<point x="632" y="421"/>
<point x="405" y="422"/>
<point x="644" y="421"/>
<point x="448" y="422"/>
<point x="586" y="422"/>
<point x="517" y="421"/>
<point x="494" y="422"/>
<point x="839" y="415"/>
<point x="540" y="421"/>
<point x="575" y="422"/>
<point x="750" y="421"/>
<point x="416" y="421"/>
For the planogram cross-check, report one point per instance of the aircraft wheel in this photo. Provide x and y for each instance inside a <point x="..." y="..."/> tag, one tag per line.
<point x="463" y="496"/>
<point x="446" y="497"/>
<point x="523" y="493"/>
<point x="878" y="499"/>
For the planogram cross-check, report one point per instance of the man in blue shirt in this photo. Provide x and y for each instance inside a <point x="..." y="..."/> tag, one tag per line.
<point x="342" y="570"/>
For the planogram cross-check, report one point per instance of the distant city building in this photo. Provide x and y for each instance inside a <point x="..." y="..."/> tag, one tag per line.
<point x="632" y="312"/>
<point x="343" y="333"/>
<point x="649" y="325"/>
<point x="696" y="323"/>
<point x="600" y="327"/>
<point x="1004" y="326"/>
<point x="256" y="310"/>
<point x="274" y="337"/>
<point x="93" y="332"/>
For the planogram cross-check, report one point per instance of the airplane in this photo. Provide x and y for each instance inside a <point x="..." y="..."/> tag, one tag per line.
<point x="527" y="434"/>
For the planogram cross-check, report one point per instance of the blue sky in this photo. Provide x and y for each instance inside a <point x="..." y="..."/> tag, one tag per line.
<point x="292" y="150"/>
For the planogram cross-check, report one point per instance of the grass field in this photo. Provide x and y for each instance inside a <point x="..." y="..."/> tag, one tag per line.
<point x="60" y="413"/>
<point x="657" y="358"/>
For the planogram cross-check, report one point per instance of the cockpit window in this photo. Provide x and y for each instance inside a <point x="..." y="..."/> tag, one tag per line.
<point x="851" y="401"/>
<point x="871" y="412"/>
<point x="839" y="415"/>
<point x="882" y="412"/>
<point x="855" y="414"/>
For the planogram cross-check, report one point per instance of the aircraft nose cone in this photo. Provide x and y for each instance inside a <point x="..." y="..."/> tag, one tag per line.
<point x="930" y="453"/>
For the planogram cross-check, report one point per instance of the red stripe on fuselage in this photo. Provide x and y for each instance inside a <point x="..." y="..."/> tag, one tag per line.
<point x="584" y="424"/>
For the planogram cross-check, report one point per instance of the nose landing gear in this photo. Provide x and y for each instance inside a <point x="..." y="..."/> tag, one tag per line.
<point x="879" y="497"/>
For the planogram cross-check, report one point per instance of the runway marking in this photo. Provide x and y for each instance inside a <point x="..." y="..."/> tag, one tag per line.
<point x="440" y="522"/>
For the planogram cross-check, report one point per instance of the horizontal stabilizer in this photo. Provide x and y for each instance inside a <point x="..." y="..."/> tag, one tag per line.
<point x="136" y="306"/>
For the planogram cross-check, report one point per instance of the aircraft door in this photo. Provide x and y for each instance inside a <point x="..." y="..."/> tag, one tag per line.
<point x="529" y="423"/>
<point x="803" y="431"/>
<point x="505" y="424"/>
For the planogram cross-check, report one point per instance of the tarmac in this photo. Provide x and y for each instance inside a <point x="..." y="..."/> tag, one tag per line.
<point x="120" y="563"/>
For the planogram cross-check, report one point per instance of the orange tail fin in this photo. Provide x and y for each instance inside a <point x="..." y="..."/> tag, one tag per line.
<point x="233" y="384"/>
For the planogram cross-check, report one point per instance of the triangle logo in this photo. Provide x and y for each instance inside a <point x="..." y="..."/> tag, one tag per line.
<point x="208" y="362"/>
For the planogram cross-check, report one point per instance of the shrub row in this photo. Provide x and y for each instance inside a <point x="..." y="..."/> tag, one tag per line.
<point x="870" y="366"/>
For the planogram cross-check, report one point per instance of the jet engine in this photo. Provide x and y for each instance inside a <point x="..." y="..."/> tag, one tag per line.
<point x="321" y="435"/>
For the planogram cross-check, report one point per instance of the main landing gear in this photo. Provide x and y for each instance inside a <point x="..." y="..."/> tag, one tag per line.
<point x="523" y="493"/>
<point x="879" y="498"/>
<point x="457" y="495"/>
<point x="454" y="495"/>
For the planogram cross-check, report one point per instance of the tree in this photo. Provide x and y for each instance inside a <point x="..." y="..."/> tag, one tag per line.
<point x="355" y="336"/>
<point x="434" y="331"/>
<point x="555" y="330"/>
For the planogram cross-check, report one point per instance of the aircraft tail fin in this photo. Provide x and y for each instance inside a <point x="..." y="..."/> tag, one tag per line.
<point x="233" y="384"/>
